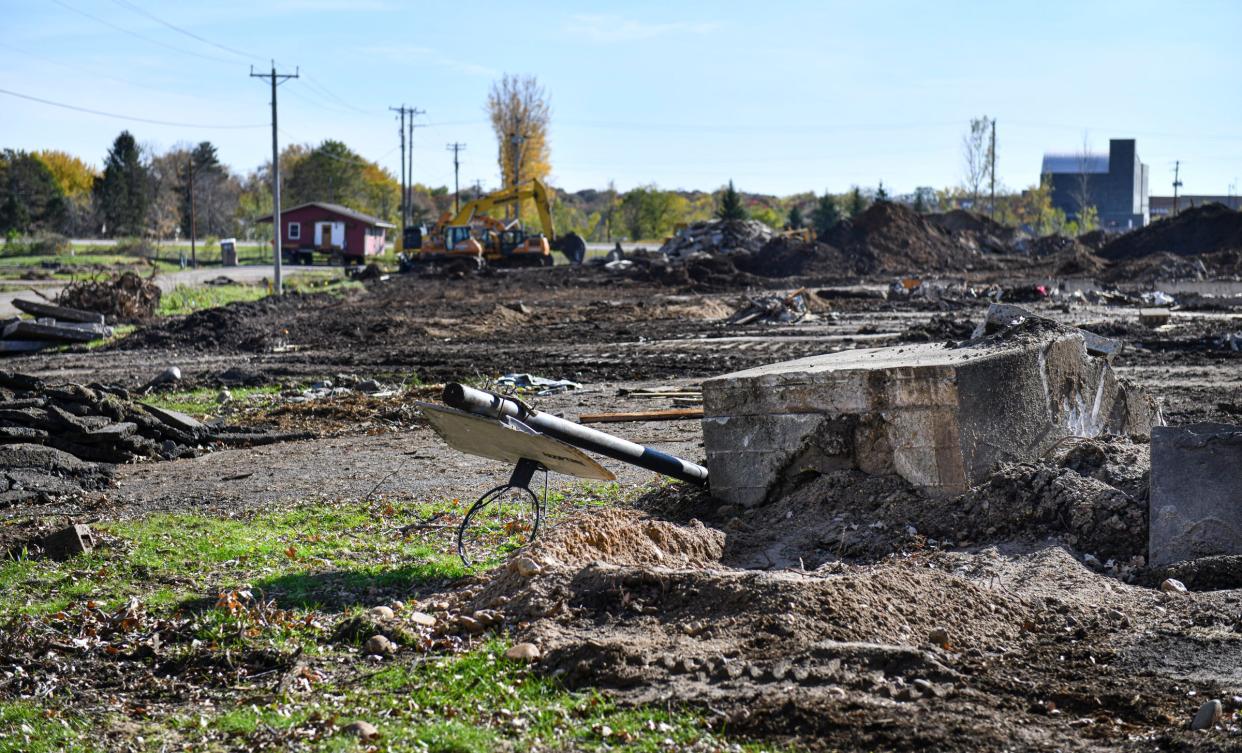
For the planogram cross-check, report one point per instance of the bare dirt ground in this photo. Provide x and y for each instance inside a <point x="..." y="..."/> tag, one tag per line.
<point x="853" y="615"/>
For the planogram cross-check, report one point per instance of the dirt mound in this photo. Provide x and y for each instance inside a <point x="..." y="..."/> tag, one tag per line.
<point x="974" y="228"/>
<point x="126" y="297"/>
<point x="718" y="237"/>
<point x="892" y="238"/>
<point x="628" y="537"/>
<point x="1169" y="266"/>
<point x="1198" y="230"/>
<point x="792" y="257"/>
<point x="236" y="328"/>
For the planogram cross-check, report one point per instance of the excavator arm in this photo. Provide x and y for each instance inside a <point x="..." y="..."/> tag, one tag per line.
<point x="570" y="244"/>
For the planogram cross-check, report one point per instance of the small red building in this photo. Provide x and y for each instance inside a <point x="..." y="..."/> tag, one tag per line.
<point x="343" y="233"/>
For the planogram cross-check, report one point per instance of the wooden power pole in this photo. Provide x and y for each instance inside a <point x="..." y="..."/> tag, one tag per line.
<point x="276" y="79"/>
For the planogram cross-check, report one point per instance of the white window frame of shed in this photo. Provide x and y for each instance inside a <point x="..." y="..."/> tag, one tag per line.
<point x="295" y="231"/>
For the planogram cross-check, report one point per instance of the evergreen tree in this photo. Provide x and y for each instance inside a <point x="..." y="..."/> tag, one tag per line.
<point x="731" y="205"/>
<point x="825" y="215"/>
<point x="920" y="203"/>
<point x="123" y="191"/>
<point x="857" y="203"/>
<point x="796" y="220"/>
<point x="880" y="193"/>
<point x="30" y="198"/>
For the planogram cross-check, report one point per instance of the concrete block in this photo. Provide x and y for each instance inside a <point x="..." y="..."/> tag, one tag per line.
<point x="940" y="417"/>
<point x="68" y="542"/>
<point x="1195" y="505"/>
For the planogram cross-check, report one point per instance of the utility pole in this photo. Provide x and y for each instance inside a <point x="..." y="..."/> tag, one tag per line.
<point x="276" y="79"/>
<point x="992" y="172"/>
<point x="409" y="168"/>
<point x="401" y="133"/>
<point x="193" y="220"/>
<point x="478" y="189"/>
<point x="455" y="148"/>
<point x="1177" y="183"/>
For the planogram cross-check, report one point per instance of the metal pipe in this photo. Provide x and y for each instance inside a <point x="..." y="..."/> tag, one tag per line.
<point x="496" y="406"/>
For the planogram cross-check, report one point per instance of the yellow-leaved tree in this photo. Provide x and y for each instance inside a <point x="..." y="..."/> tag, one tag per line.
<point x="518" y="109"/>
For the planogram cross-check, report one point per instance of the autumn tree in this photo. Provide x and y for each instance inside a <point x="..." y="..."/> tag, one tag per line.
<point x="729" y="207"/>
<point x="76" y="179"/>
<point x="649" y="213"/>
<point x="30" y="199"/>
<point x="520" y="113"/>
<point x="976" y="157"/>
<point x="166" y="193"/>
<point x="122" y="190"/>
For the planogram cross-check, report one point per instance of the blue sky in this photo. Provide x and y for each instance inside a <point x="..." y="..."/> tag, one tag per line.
<point x="780" y="96"/>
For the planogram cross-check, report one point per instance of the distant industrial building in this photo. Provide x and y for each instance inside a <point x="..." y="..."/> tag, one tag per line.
<point x="1114" y="183"/>
<point x="1162" y="206"/>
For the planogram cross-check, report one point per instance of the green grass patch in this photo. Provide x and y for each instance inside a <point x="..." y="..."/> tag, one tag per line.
<point x="27" y="727"/>
<point x="185" y="299"/>
<point x="204" y="401"/>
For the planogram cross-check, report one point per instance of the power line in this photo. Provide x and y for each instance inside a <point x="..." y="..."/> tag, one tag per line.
<point x="178" y="29"/>
<point x="316" y="85"/>
<point x="143" y="37"/>
<point x="134" y="118"/>
<point x="276" y="80"/>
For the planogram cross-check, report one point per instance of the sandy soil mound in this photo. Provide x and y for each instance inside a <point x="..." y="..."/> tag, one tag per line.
<point x="628" y="537"/>
<point x="1198" y="230"/>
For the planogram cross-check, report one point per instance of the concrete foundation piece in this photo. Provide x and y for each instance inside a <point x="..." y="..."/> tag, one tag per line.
<point x="941" y="417"/>
<point x="1196" y="492"/>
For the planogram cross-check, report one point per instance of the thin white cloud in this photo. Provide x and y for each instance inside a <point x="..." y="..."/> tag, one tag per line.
<point x="408" y="53"/>
<point x="603" y="28"/>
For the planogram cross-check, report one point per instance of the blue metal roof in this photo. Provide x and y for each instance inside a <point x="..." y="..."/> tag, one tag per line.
<point x="1075" y="163"/>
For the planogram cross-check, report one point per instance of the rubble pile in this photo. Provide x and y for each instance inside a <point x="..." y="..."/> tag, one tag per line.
<point x="126" y="297"/>
<point x="51" y="326"/>
<point x="1198" y="230"/>
<point x="773" y="309"/>
<point x="793" y="257"/>
<point x="718" y="237"/>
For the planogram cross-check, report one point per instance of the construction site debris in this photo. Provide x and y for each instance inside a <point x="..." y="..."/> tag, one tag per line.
<point x="529" y="384"/>
<point x="1196" y="475"/>
<point x="677" y="414"/>
<point x="126" y="297"/>
<point x="718" y="237"/>
<point x="773" y="309"/>
<point x="62" y="313"/>
<point x="68" y="542"/>
<point x="942" y="418"/>
<point x="1154" y="317"/>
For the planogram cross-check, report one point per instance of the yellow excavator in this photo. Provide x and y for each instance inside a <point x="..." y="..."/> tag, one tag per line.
<point x="472" y="238"/>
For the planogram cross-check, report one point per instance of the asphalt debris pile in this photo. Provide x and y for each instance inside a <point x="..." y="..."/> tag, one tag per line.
<point x="774" y="309"/>
<point x="49" y="326"/>
<point x="126" y="297"/>
<point x="718" y="237"/>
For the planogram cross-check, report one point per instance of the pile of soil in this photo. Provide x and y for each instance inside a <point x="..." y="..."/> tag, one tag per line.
<point x="975" y="229"/>
<point x="1169" y="266"/>
<point x="1198" y="230"/>
<point x="892" y="238"/>
<point x="793" y="257"/>
<point x="718" y="237"/>
<point x="821" y="618"/>
<point x="939" y="328"/>
<point x="237" y="328"/>
<point x="126" y="297"/>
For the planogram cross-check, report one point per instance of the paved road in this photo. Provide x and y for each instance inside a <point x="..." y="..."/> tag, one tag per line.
<point x="166" y="280"/>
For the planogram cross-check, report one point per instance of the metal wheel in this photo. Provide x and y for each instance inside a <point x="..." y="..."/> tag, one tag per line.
<point x="502" y="520"/>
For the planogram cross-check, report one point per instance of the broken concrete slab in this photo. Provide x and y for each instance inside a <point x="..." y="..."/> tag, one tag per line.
<point x="175" y="419"/>
<point x="1195" y="505"/>
<point x="1154" y="317"/>
<point x="24" y="346"/>
<point x="941" y="417"/>
<point x="62" y="313"/>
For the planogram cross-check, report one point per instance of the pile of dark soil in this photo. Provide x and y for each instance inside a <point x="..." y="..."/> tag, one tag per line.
<point x="1199" y="230"/>
<point x="975" y="229"/>
<point x="793" y="257"/>
<point x="1170" y="266"/>
<point x="126" y="297"/>
<point x="244" y="327"/>
<point x="892" y="238"/>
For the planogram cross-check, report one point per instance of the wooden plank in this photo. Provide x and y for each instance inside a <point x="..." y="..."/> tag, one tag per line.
<point x="674" y="414"/>
<point x="38" y="308"/>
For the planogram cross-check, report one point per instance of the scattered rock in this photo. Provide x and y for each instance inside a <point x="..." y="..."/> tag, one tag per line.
<point x="382" y="613"/>
<point x="1208" y="715"/>
<point x="364" y="730"/>
<point x="1171" y="586"/>
<point x="471" y="625"/>
<point x="422" y="618"/>
<point x="523" y="652"/>
<point x="380" y="645"/>
<point x="939" y="637"/>
<point x="526" y="567"/>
